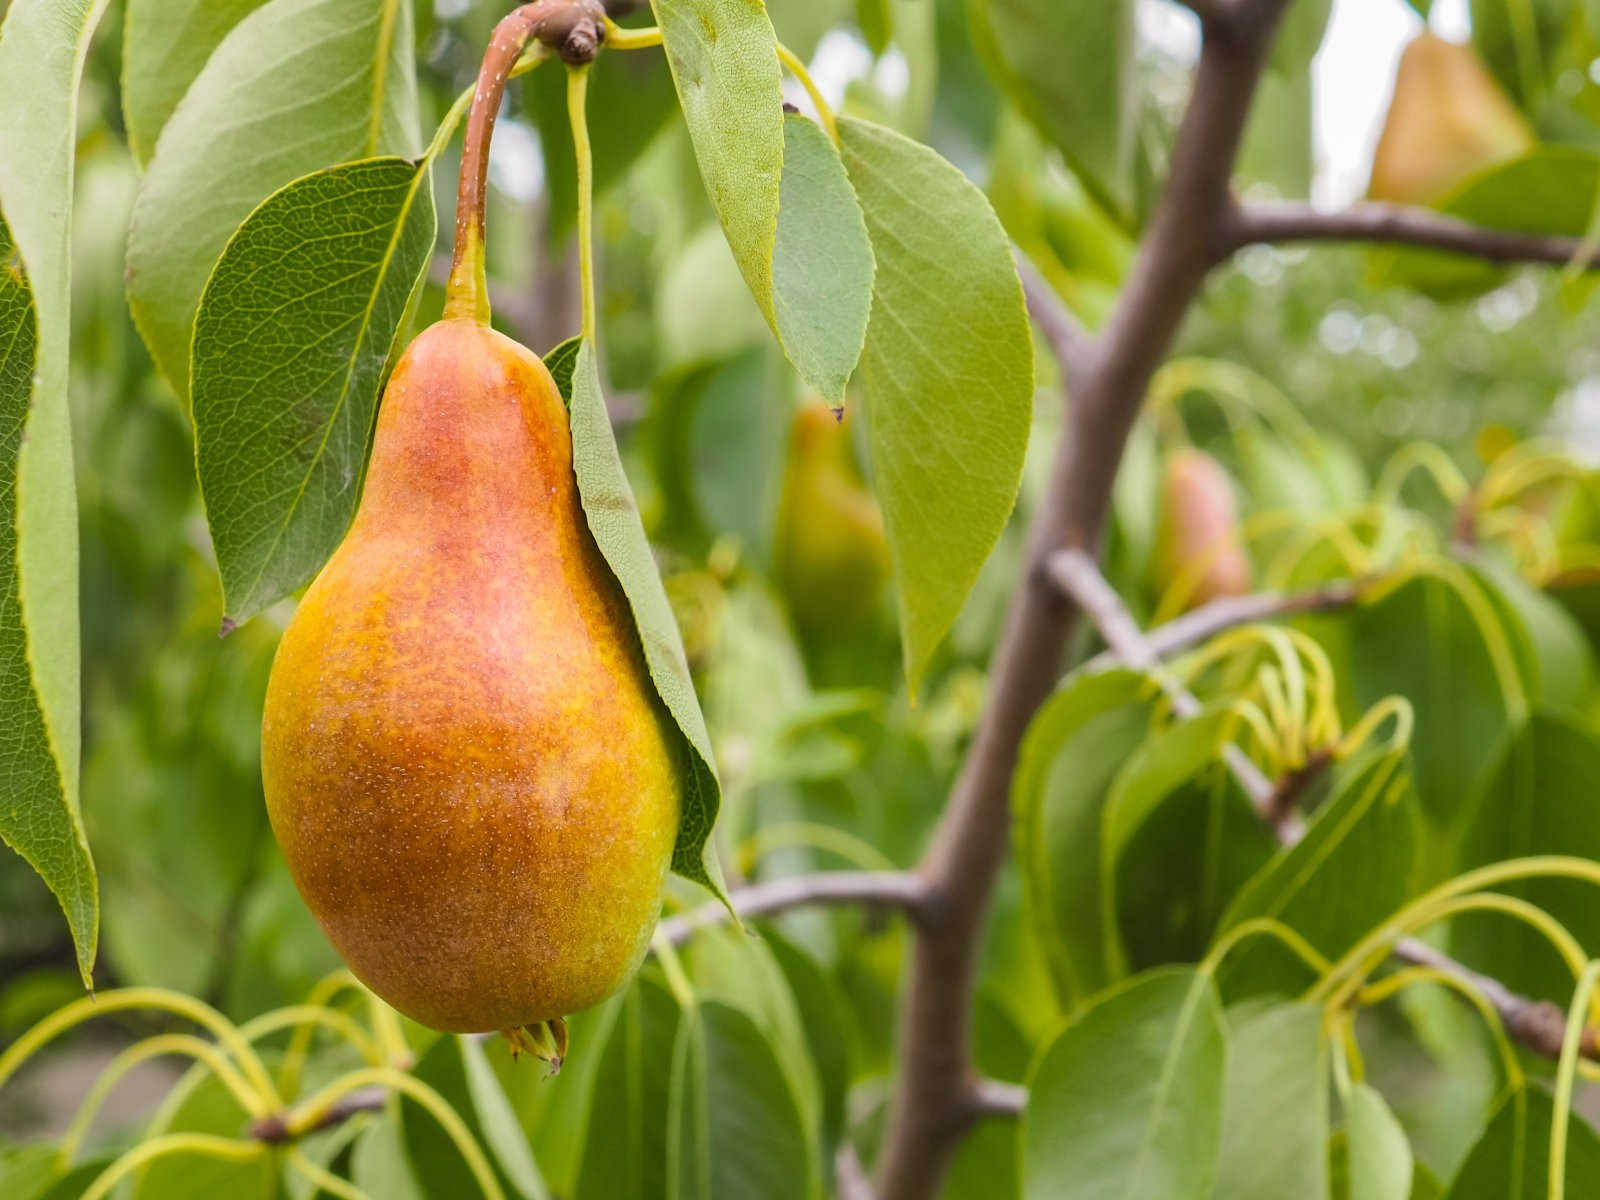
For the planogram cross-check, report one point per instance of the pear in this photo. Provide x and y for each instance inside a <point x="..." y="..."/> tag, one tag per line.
<point x="1197" y="530"/>
<point x="465" y="762"/>
<point x="1448" y="120"/>
<point x="832" y="553"/>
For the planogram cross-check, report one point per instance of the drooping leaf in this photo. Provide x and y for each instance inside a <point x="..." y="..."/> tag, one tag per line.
<point x="379" y="1166"/>
<point x="1073" y="750"/>
<point x="1537" y="799"/>
<point x="165" y="43"/>
<point x="1355" y="865"/>
<point x="1442" y="647"/>
<point x="1300" y="31"/>
<point x="456" y="1067"/>
<point x="1379" y="1161"/>
<point x="614" y="521"/>
<point x="828" y="1035"/>
<point x="875" y="19"/>
<point x="724" y="61"/>
<point x="625" y="1140"/>
<point x="1518" y="39"/>
<point x="294" y="331"/>
<point x="1277" y="139"/>
<point x="1127" y="1101"/>
<point x="1557" y="663"/>
<point x="42" y="49"/>
<point x="1071" y="69"/>
<point x="733" y="1126"/>
<point x="1275" y="1114"/>
<point x="296" y="86"/>
<point x="947" y="371"/>
<point x="821" y="262"/>
<point x="560" y="363"/>
<point x="1511" y="1157"/>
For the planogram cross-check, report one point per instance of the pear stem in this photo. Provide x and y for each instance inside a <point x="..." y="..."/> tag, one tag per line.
<point x="574" y="29"/>
<point x="577" y="96"/>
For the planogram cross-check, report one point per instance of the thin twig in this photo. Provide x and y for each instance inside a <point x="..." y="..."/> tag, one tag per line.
<point x="850" y="1181"/>
<point x="1203" y="623"/>
<point x="992" y="1098"/>
<point x="1394" y="224"/>
<point x="274" y="1130"/>
<point x="901" y="890"/>
<point x="1069" y="341"/>
<point x="1538" y="1025"/>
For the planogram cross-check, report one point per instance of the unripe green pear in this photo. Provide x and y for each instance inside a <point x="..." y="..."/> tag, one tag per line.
<point x="1197" y="530"/>
<point x="832" y="553"/>
<point x="470" y="774"/>
<point x="1447" y="121"/>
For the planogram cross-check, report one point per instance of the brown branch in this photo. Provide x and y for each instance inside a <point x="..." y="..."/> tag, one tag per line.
<point x="992" y="1098"/>
<point x="275" y="1132"/>
<point x="1539" y="1025"/>
<point x="1070" y="343"/>
<point x="1210" y="619"/>
<point x="900" y="890"/>
<point x="932" y="1106"/>
<point x="1394" y="224"/>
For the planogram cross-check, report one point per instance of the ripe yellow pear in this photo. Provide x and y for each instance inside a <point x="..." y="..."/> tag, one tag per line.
<point x="832" y="552"/>
<point x="1448" y="120"/>
<point x="470" y="774"/>
<point x="1197" y="530"/>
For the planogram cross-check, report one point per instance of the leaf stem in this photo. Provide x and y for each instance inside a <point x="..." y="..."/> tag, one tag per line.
<point x="618" y="38"/>
<point x="1566" y="1074"/>
<point x="791" y="60"/>
<point x="206" y="1144"/>
<point x="583" y="155"/>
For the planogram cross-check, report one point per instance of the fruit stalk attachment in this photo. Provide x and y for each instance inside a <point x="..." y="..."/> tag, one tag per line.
<point x="574" y="30"/>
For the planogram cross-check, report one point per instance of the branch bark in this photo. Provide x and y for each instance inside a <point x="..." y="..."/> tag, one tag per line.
<point x="902" y="890"/>
<point x="1538" y="1025"/>
<point x="1070" y="343"/>
<point x="932" y="1106"/>
<point x="1397" y="225"/>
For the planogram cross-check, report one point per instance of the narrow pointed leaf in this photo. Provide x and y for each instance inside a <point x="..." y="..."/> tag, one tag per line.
<point x="724" y="61"/>
<point x="948" y="375"/>
<point x="614" y="521"/>
<point x="296" y="86"/>
<point x="42" y="48"/>
<point x="1380" y="1165"/>
<point x="1127" y="1101"/>
<point x="625" y="1140"/>
<point x="291" y="341"/>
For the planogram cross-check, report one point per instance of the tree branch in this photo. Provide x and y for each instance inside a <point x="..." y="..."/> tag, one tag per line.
<point x="1397" y="225"/>
<point x="1071" y="345"/>
<point x="275" y="1132"/>
<point x="1203" y="623"/>
<point x="1538" y="1025"/>
<point x="992" y="1098"/>
<point x="901" y="890"/>
<point x="932" y="1106"/>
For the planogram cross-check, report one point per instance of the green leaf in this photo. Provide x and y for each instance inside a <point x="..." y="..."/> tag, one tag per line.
<point x="291" y="342"/>
<point x="724" y="61"/>
<point x="1160" y="897"/>
<point x="1556" y="660"/>
<point x="42" y="49"/>
<point x="1299" y="35"/>
<point x="875" y="19"/>
<point x="164" y="45"/>
<point x="1518" y="40"/>
<point x="201" y="1104"/>
<point x="1511" y="1157"/>
<point x="379" y="1166"/>
<point x="625" y="1142"/>
<point x="1275" y="1115"/>
<point x="1439" y="642"/>
<point x="1127" y="1100"/>
<point x="948" y="375"/>
<point x="1355" y="866"/>
<point x="1538" y="799"/>
<point x="1277" y="139"/>
<point x="821" y="262"/>
<point x="631" y="99"/>
<point x="1070" y="68"/>
<point x="1072" y="752"/>
<point x="296" y="86"/>
<point x="456" y="1067"/>
<point x="614" y="522"/>
<point x="1380" y="1164"/>
<point x="560" y="363"/>
<point x="826" y="1022"/>
<point x="734" y="1128"/>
